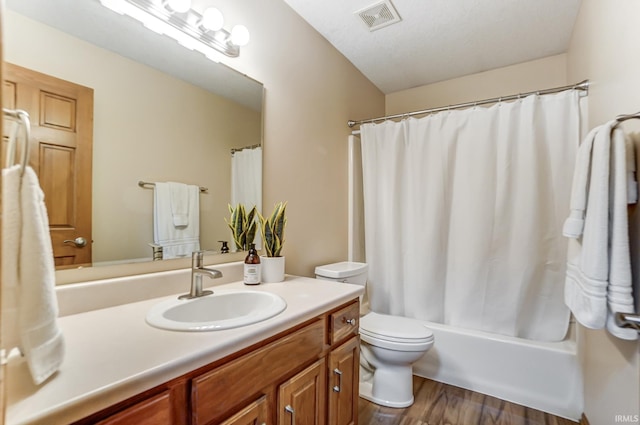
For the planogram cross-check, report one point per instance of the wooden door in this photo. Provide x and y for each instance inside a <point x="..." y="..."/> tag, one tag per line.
<point x="301" y="399"/>
<point x="60" y="153"/>
<point x="256" y="413"/>
<point x="344" y="368"/>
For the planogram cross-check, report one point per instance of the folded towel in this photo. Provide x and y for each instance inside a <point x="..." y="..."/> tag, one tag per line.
<point x="31" y="274"/>
<point x="179" y="197"/>
<point x="176" y="241"/>
<point x="598" y="278"/>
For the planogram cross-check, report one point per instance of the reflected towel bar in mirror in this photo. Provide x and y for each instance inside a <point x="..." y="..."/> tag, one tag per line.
<point x="151" y="185"/>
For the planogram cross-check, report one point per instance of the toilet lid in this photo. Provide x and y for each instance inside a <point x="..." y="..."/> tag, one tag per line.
<point x="394" y="328"/>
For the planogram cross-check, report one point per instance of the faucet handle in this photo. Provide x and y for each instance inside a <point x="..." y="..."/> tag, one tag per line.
<point x="196" y="259"/>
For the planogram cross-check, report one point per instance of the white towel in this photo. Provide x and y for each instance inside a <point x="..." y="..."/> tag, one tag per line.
<point x="632" y="184"/>
<point x="598" y="279"/>
<point x="179" y="196"/>
<point x="28" y="274"/>
<point x="180" y="241"/>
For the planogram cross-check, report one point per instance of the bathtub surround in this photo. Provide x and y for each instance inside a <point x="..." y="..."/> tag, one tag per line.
<point x="483" y="191"/>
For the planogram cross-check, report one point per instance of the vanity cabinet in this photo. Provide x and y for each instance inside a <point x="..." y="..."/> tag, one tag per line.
<point x="307" y="375"/>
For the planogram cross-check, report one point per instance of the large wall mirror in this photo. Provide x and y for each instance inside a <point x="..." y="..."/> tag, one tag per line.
<point x="161" y="113"/>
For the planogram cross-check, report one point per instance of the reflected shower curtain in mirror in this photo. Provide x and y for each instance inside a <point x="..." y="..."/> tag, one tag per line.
<point x="464" y="211"/>
<point x="246" y="180"/>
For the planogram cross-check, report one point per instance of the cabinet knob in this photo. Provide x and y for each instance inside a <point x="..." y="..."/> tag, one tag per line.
<point x="336" y="388"/>
<point x="349" y="321"/>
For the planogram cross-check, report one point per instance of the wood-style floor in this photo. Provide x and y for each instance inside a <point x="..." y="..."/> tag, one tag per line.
<point x="442" y="404"/>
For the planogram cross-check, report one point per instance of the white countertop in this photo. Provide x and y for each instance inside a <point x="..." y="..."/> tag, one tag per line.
<point x="113" y="354"/>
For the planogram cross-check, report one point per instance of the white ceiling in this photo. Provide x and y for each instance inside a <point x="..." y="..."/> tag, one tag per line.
<point x="441" y="39"/>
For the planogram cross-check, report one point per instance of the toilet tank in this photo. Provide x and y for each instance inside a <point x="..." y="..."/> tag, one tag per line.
<point x="346" y="271"/>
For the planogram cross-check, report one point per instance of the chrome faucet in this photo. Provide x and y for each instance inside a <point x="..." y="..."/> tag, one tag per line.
<point x="197" y="271"/>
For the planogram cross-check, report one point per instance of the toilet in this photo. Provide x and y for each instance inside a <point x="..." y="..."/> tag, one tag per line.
<point x="389" y="345"/>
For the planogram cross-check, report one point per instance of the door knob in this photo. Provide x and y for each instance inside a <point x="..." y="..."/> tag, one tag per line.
<point x="79" y="241"/>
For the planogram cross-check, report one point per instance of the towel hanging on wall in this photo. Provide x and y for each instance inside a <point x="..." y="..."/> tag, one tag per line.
<point x="598" y="280"/>
<point x="176" y="240"/>
<point x="29" y="302"/>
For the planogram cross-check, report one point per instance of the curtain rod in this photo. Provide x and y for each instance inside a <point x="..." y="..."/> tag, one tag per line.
<point x="234" y="150"/>
<point x="583" y="85"/>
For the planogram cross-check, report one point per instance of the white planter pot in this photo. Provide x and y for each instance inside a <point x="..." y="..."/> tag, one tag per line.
<point x="272" y="269"/>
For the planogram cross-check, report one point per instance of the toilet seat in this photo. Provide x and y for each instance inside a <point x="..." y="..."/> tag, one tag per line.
<point x="395" y="332"/>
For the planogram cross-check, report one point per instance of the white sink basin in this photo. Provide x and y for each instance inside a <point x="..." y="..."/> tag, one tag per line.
<point x="221" y="310"/>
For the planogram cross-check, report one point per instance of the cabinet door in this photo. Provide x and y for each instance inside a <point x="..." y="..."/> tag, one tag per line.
<point x="344" y="368"/>
<point x="254" y="414"/>
<point x="301" y="399"/>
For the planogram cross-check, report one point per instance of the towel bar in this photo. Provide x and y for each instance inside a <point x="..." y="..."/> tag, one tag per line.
<point x="144" y="184"/>
<point x="628" y="320"/>
<point x="25" y="124"/>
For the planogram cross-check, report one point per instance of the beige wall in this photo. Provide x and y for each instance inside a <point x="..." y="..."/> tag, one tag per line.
<point x="529" y="76"/>
<point x="147" y="126"/>
<point x="311" y="92"/>
<point x="604" y="49"/>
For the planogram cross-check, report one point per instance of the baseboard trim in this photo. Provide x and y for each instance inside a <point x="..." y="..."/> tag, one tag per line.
<point x="584" y="420"/>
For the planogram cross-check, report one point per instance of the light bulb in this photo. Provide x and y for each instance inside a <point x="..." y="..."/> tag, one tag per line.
<point x="212" y="19"/>
<point x="180" y="6"/>
<point x="240" y="35"/>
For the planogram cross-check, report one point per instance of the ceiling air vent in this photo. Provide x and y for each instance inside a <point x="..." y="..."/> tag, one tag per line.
<point x="379" y="15"/>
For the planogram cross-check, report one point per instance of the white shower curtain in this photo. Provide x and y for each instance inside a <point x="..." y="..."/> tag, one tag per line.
<point x="246" y="181"/>
<point x="246" y="178"/>
<point x="463" y="215"/>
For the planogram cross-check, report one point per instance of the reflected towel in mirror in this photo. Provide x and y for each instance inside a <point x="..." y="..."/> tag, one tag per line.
<point x="178" y="241"/>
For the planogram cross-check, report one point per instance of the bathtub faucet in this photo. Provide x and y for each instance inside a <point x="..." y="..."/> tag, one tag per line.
<point x="197" y="271"/>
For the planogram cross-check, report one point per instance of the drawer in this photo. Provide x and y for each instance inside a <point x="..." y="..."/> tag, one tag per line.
<point x="344" y="322"/>
<point x="215" y="393"/>
<point x="153" y="411"/>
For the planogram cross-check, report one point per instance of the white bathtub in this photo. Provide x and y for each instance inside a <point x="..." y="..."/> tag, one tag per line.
<point x="541" y="375"/>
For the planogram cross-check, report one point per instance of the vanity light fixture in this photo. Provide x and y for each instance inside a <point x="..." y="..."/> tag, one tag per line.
<point x="175" y="18"/>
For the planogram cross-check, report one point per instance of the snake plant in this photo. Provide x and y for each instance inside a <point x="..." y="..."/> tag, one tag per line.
<point x="272" y="229"/>
<point x="242" y="225"/>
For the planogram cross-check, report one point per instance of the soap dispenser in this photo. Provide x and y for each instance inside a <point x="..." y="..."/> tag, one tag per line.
<point x="252" y="266"/>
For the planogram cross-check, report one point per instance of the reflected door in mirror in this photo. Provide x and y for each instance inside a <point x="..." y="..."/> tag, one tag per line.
<point x="60" y="153"/>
